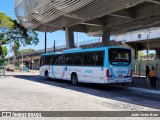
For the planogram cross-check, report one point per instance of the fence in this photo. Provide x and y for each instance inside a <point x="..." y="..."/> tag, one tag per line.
<point x="139" y="66"/>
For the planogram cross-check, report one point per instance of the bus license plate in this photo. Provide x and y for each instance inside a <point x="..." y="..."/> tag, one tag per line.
<point x="120" y="76"/>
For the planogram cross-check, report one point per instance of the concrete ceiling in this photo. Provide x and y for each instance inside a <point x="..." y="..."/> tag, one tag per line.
<point x="89" y="16"/>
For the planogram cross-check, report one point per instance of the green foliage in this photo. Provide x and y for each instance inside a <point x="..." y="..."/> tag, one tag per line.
<point x="22" y="35"/>
<point x="15" y="48"/>
<point x="152" y="55"/>
<point x="3" y="51"/>
<point x="19" y="35"/>
<point x="5" y="21"/>
<point x="0" y="50"/>
<point x="140" y="55"/>
<point x="11" y="32"/>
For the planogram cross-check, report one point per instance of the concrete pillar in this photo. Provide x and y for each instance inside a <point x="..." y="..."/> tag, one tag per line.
<point x="158" y="54"/>
<point x="135" y="54"/>
<point x="135" y="50"/>
<point x="106" y="37"/>
<point x="69" y="38"/>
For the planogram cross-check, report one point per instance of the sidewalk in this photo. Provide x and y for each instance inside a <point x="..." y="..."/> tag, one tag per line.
<point x="141" y="82"/>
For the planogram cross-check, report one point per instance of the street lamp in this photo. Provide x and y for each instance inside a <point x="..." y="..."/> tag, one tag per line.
<point x="22" y="56"/>
<point x="147" y="32"/>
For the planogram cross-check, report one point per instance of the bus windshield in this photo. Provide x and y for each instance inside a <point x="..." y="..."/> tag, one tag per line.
<point x="119" y="56"/>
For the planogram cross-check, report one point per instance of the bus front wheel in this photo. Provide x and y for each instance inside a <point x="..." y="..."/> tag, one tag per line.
<point x="74" y="80"/>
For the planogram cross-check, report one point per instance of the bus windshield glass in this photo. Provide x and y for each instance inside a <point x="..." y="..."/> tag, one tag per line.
<point x="119" y="56"/>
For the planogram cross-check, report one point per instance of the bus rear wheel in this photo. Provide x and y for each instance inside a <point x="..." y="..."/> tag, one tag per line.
<point x="74" y="80"/>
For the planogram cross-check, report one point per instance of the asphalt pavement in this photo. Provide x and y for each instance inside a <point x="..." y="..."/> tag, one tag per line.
<point x="138" y="82"/>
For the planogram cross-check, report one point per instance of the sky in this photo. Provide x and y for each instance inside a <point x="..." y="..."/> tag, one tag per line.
<point x="7" y="6"/>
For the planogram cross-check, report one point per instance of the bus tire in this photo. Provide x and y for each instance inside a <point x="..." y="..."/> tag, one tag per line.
<point x="46" y="75"/>
<point x="74" y="80"/>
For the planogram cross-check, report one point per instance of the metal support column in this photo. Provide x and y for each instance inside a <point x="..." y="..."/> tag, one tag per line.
<point x="45" y="47"/>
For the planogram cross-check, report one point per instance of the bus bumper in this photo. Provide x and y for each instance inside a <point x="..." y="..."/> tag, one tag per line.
<point x="114" y="80"/>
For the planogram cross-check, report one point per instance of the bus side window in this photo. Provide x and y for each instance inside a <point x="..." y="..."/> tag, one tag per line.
<point x="49" y="60"/>
<point x="53" y="60"/>
<point x="46" y="60"/>
<point x="89" y="58"/>
<point x="42" y="62"/>
<point x="61" y="60"/>
<point x="99" y="58"/>
<point x="68" y="59"/>
<point x="78" y="59"/>
<point x="56" y="60"/>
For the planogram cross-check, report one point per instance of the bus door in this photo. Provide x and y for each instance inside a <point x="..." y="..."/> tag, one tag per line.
<point x="59" y="68"/>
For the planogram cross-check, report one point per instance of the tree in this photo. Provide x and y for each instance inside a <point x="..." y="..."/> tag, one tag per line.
<point x="3" y="54"/>
<point x="5" y="21"/>
<point x="3" y="50"/>
<point x="140" y="55"/>
<point x="152" y="55"/>
<point x="20" y="35"/>
<point x="15" y="49"/>
<point x="12" y="32"/>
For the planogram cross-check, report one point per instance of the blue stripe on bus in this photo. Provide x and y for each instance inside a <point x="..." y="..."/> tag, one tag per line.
<point x="88" y="71"/>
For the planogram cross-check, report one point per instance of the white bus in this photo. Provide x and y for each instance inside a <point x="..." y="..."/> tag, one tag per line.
<point x="94" y="65"/>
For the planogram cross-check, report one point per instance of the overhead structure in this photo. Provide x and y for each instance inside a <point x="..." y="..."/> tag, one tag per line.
<point x="52" y="15"/>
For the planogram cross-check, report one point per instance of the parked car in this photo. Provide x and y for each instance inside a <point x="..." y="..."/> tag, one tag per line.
<point x="10" y="67"/>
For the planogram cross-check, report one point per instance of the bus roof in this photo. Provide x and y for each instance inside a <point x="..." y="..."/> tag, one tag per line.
<point x="82" y="50"/>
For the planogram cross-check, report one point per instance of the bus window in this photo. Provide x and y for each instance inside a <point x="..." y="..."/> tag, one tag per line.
<point x="59" y="60"/>
<point x="56" y="60"/>
<point x="119" y="56"/>
<point x="48" y="60"/>
<point x="68" y="59"/>
<point x="78" y="59"/>
<point x="99" y="58"/>
<point x="42" y="61"/>
<point x="89" y="58"/>
<point x="53" y="60"/>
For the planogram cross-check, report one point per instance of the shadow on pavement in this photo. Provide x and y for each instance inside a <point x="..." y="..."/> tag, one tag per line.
<point x="109" y="91"/>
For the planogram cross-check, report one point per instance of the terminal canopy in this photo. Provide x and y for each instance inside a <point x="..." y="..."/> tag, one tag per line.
<point x="52" y="15"/>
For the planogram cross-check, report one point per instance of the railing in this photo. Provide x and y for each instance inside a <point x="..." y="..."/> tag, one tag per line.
<point x="89" y="42"/>
<point x="139" y="66"/>
<point x="62" y="47"/>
